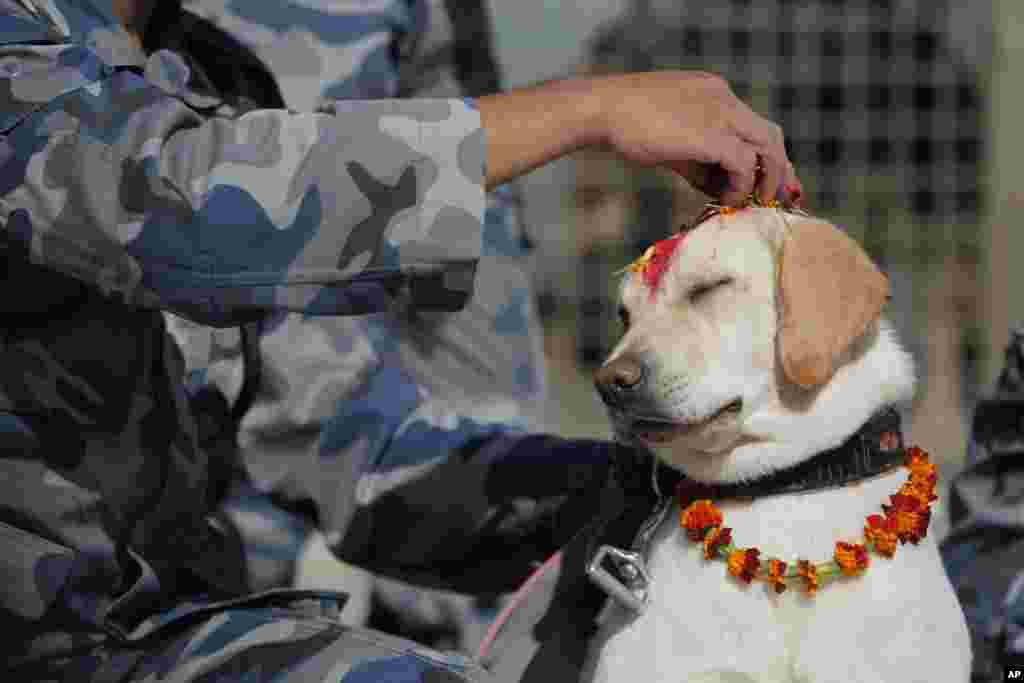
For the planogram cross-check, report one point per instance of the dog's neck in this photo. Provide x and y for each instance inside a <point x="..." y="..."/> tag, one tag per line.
<point x="875" y="449"/>
<point x="793" y="425"/>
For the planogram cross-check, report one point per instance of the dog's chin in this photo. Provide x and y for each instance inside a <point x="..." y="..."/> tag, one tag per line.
<point x="706" y="432"/>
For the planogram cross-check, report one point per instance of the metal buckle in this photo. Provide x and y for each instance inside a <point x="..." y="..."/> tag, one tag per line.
<point x="630" y="586"/>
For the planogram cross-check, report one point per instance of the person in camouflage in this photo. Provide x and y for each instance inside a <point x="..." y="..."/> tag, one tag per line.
<point x="144" y="172"/>
<point x="984" y="550"/>
<point x="482" y="367"/>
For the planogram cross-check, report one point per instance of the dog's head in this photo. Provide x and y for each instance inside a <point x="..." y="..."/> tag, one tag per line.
<point x="754" y="314"/>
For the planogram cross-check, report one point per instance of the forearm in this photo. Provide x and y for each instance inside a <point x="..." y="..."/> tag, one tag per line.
<point x="225" y="219"/>
<point x="528" y="127"/>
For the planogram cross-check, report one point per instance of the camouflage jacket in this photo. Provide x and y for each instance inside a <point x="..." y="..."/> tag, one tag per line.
<point x="468" y="374"/>
<point x="135" y="184"/>
<point x="984" y="550"/>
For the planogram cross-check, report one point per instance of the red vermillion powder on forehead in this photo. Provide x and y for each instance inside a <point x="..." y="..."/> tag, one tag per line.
<point x="653" y="264"/>
<point x="656" y="266"/>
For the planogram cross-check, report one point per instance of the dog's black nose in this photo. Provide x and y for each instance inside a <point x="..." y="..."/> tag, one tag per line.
<point x="616" y="380"/>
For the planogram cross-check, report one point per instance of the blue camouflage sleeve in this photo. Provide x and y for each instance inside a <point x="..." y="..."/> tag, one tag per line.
<point x="406" y="481"/>
<point x="412" y="485"/>
<point x="110" y="176"/>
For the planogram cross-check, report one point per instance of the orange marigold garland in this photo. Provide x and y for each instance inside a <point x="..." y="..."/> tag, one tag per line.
<point x="744" y="564"/>
<point x="905" y="521"/>
<point x="917" y="458"/>
<point x="808" y="573"/>
<point x="923" y="477"/>
<point x="776" y="575"/>
<point x="716" y="539"/>
<point x="698" y="517"/>
<point x="910" y="515"/>
<point x="880" y="534"/>
<point x="852" y="558"/>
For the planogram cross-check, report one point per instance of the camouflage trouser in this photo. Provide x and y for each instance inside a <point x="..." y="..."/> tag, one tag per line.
<point x="252" y="644"/>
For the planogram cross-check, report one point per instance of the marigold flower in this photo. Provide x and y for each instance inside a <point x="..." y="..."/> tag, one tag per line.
<point x="880" y="532"/>
<point x="852" y="558"/>
<point x="743" y="564"/>
<point x="699" y="516"/>
<point x="639" y="264"/>
<point x="776" y="572"/>
<point x="716" y="538"/>
<point x="923" y="491"/>
<point x="924" y="473"/>
<point x="809" y="573"/>
<point x="910" y="516"/>
<point x="916" y="457"/>
<point x="642" y="262"/>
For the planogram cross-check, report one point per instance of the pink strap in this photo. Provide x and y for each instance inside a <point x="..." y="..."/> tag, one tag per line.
<point x="518" y="598"/>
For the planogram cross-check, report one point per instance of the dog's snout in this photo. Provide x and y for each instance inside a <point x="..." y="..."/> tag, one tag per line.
<point x="618" y="378"/>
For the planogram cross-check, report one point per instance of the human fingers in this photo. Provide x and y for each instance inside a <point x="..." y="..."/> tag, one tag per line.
<point x="739" y="160"/>
<point x="711" y="179"/>
<point x="778" y="181"/>
<point x="770" y="177"/>
<point x="727" y="173"/>
<point x="776" y="171"/>
<point x="792" y="189"/>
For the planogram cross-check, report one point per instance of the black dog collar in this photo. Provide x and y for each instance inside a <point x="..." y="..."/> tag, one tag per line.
<point x="876" y="448"/>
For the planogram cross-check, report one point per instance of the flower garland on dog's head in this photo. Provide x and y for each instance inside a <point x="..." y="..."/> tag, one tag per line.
<point x="654" y="262"/>
<point x="905" y="520"/>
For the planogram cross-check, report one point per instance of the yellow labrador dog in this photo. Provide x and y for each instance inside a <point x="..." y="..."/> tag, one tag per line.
<point x="761" y="346"/>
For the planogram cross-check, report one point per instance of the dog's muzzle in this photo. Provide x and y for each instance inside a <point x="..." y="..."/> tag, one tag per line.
<point x="619" y="381"/>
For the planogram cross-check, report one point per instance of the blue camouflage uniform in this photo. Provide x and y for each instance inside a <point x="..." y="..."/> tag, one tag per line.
<point x="984" y="550"/>
<point x="477" y="372"/>
<point x="142" y="182"/>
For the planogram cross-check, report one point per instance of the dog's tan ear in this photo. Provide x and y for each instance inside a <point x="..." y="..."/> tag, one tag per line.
<point x="830" y="292"/>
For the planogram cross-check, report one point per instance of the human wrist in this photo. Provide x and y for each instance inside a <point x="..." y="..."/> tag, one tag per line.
<point x="590" y="104"/>
<point x="531" y="126"/>
<point x="604" y="95"/>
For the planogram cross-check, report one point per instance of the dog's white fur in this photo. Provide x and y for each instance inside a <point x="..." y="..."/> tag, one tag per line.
<point x="897" y="623"/>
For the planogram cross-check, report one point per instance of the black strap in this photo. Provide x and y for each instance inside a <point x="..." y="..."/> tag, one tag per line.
<point x="470" y="52"/>
<point x="226" y="66"/>
<point x="563" y="618"/>
<point x="253" y="371"/>
<point x="475" y="65"/>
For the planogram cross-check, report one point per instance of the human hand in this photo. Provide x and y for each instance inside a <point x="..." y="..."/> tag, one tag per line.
<point x="692" y="122"/>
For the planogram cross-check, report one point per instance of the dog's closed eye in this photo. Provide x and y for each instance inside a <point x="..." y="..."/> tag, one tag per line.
<point x="624" y="317"/>
<point x="702" y="290"/>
